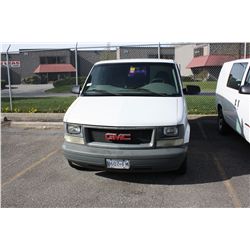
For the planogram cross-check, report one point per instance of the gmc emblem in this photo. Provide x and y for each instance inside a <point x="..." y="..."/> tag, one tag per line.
<point x="117" y="137"/>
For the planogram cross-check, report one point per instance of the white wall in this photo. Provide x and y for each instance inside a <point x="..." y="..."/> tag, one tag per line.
<point x="183" y="56"/>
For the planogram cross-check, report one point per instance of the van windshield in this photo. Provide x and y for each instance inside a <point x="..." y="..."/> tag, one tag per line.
<point x="133" y="79"/>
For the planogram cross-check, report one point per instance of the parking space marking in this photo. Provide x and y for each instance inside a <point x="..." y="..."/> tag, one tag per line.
<point x="202" y="131"/>
<point x="30" y="167"/>
<point x="227" y="183"/>
<point x="229" y="186"/>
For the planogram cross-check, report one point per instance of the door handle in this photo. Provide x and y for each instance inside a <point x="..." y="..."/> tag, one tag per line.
<point x="235" y="102"/>
<point x="238" y="103"/>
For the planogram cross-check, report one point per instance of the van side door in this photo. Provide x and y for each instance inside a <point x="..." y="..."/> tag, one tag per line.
<point x="232" y="93"/>
<point x="243" y="109"/>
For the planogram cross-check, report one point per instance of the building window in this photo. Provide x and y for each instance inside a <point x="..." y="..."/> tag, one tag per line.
<point x="52" y="59"/>
<point x="198" y="52"/>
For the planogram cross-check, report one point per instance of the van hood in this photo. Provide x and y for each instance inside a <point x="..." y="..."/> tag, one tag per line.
<point x="126" y="111"/>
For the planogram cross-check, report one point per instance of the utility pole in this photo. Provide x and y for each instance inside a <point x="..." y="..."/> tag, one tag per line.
<point x="8" y="74"/>
<point x="76" y="65"/>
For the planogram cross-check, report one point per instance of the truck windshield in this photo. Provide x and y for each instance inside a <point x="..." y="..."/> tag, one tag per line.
<point x="133" y="79"/>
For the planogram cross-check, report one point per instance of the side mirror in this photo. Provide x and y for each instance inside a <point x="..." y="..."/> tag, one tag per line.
<point x="245" y="89"/>
<point x="76" y="89"/>
<point x="192" y="90"/>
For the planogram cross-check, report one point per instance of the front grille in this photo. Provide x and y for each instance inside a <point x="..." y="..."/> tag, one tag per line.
<point x="119" y="136"/>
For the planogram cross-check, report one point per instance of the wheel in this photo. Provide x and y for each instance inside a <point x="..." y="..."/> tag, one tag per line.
<point x="222" y="125"/>
<point x="183" y="168"/>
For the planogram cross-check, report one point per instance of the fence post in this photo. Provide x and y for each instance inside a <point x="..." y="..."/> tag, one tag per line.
<point x="118" y="53"/>
<point x="159" y="50"/>
<point x="76" y="65"/>
<point x="8" y="73"/>
<point x="245" y="50"/>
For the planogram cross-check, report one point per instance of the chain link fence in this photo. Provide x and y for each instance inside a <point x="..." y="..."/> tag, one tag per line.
<point x="199" y="64"/>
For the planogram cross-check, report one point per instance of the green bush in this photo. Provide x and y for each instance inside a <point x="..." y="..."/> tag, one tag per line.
<point x="3" y="83"/>
<point x="31" y="80"/>
<point x="69" y="81"/>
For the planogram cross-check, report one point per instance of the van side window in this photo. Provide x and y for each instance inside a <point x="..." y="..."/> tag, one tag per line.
<point x="236" y="75"/>
<point x="247" y="82"/>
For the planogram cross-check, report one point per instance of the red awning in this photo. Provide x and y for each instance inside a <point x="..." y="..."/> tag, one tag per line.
<point x="54" y="68"/>
<point x="211" y="60"/>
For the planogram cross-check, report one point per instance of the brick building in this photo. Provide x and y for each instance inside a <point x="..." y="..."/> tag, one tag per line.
<point x="209" y="58"/>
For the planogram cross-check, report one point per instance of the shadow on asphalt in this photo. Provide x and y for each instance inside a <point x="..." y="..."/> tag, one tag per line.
<point x="207" y="149"/>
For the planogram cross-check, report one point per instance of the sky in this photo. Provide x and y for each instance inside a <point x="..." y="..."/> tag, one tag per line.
<point x="131" y="21"/>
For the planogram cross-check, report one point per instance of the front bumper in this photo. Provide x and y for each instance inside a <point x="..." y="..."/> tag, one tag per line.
<point x="146" y="160"/>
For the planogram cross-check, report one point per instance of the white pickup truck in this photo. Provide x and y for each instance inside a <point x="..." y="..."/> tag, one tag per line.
<point x="131" y="115"/>
<point x="233" y="97"/>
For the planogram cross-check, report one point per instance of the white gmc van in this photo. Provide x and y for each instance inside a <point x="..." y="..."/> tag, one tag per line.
<point x="130" y="115"/>
<point x="233" y="97"/>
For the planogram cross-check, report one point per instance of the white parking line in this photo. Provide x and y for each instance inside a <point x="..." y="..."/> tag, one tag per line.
<point x="202" y="131"/>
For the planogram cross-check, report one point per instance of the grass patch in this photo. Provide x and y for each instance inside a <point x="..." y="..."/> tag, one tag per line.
<point x="38" y="105"/>
<point x="60" y="89"/>
<point x="201" y="104"/>
<point x="205" y="86"/>
<point x="196" y="104"/>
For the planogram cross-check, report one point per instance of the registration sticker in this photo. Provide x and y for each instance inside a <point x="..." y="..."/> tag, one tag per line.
<point x="140" y="70"/>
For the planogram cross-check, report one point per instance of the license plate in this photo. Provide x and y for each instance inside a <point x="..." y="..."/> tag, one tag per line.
<point x="118" y="164"/>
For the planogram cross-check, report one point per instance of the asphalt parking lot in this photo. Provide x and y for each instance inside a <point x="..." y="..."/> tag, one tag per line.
<point x="35" y="174"/>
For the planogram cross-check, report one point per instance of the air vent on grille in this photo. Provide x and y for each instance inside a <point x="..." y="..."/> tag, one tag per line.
<point x="119" y="136"/>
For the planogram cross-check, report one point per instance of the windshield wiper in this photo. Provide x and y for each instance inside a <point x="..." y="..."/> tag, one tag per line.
<point x="147" y="91"/>
<point x="98" y="92"/>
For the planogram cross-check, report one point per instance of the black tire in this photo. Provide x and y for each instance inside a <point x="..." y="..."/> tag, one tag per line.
<point x="183" y="168"/>
<point x="222" y="125"/>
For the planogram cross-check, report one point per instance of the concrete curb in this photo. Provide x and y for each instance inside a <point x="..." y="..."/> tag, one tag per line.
<point x="32" y="117"/>
<point x="36" y="125"/>
<point x="33" y="120"/>
<point x="193" y="117"/>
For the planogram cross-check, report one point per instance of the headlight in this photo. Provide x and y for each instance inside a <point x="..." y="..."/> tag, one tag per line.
<point x="170" y="131"/>
<point x="170" y="136"/>
<point x="167" y="132"/>
<point x="74" y="129"/>
<point x="74" y="133"/>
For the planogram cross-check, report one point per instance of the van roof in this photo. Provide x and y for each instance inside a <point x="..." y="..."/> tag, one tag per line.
<point x="247" y="60"/>
<point x="136" y="61"/>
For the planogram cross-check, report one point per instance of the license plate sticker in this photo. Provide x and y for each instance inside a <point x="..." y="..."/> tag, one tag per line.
<point x="117" y="164"/>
